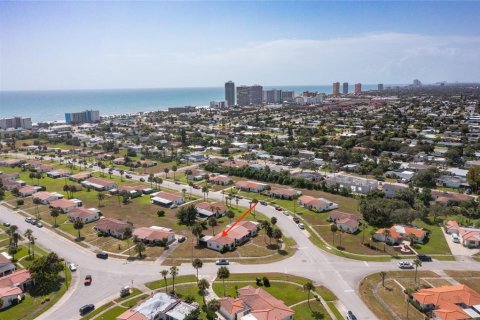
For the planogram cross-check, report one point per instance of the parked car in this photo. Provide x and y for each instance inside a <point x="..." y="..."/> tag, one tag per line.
<point x="296" y="220"/>
<point x="33" y="221"/>
<point x="72" y="267"/>
<point x="39" y="224"/>
<point x="222" y="262"/>
<point x="350" y="316"/>
<point x="455" y="238"/>
<point x="181" y="239"/>
<point x="125" y="291"/>
<point x="6" y="224"/>
<point x="86" y="309"/>
<point x="173" y="206"/>
<point x="405" y="265"/>
<point x="285" y="212"/>
<point x="278" y="208"/>
<point x="301" y="226"/>
<point x="128" y="176"/>
<point x="102" y="255"/>
<point x="195" y="186"/>
<point x="88" y="280"/>
<point x="263" y="202"/>
<point x="28" y="219"/>
<point x="424" y="257"/>
<point x="177" y="182"/>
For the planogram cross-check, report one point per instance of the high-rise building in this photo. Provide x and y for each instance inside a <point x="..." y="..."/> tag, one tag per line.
<point x="218" y="104"/>
<point x="16" y="123"/>
<point x="336" y="88"/>
<point x="83" y="117"/>
<point x="230" y="93"/>
<point x="345" y="88"/>
<point x="380" y="87"/>
<point x="273" y="96"/>
<point x="243" y="95"/>
<point x="256" y="94"/>
<point x="417" y="82"/>
<point x="288" y="95"/>
<point x="358" y="88"/>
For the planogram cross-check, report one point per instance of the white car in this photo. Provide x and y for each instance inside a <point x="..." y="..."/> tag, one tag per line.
<point x="72" y="266"/>
<point x="405" y="265"/>
<point x="301" y="226"/>
<point x="285" y="212"/>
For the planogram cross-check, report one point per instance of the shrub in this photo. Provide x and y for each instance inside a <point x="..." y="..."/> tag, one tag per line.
<point x="266" y="282"/>
<point x="161" y="213"/>
<point x="20" y="202"/>
<point x="259" y="282"/>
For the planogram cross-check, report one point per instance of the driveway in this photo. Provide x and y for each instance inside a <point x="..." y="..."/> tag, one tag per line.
<point x="457" y="249"/>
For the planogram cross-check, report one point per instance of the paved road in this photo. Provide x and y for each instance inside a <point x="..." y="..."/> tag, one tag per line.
<point x="341" y="275"/>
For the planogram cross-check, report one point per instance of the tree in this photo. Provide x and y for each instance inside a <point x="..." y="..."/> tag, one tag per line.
<point x="273" y="220"/>
<point x="197" y="230"/>
<point x="254" y="201"/>
<point x="203" y="285"/>
<point x="66" y="188"/>
<point x="54" y="212"/>
<point x="36" y="202"/>
<point x="187" y="215"/>
<point x="78" y="225"/>
<point x="100" y="197"/>
<point x="174" y="169"/>
<point x="45" y="273"/>
<point x="213" y="305"/>
<point x="173" y="273"/>
<point x="417" y="263"/>
<point x="166" y="170"/>
<point x="223" y="273"/>
<point x="127" y="234"/>
<point x="140" y="247"/>
<point x="32" y="242"/>
<point x="308" y="286"/>
<point x="383" y="274"/>
<point x="426" y="178"/>
<point x="184" y="191"/>
<point x="212" y="222"/>
<point x="205" y="192"/>
<point x="334" y="229"/>
<point x="150" y="179"/>
<point x="277" y="234"/>
<point x="473" y="178"/>
<point x="230" y="215"/>
<point x="386" y="234"/>
<point x="164" y="274"/>
<point x="28" y="234"/>
<point x="197" y="264"/>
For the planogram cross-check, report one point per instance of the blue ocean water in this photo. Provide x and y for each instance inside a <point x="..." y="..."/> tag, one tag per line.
<point x="52" y="105"/>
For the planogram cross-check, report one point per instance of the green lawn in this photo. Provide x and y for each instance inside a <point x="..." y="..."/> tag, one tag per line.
<point x="313" y="312"/>
<point x="436" y="243"/>
<point x="161" y="283"/>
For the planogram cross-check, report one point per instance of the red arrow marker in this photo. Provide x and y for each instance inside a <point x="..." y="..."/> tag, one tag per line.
<point x="225" y="232"/>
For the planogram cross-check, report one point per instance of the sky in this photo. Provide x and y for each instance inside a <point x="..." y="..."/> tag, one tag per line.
<point x="109" y="45"/>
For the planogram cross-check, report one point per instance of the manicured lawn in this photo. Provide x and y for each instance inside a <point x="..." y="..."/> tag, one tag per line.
<point x="436" y="240"/>
<point x="393" y="295"/>
<point x="470" y="278"/>
<point x="161" y="283"/>
<point x="97" y="311"/>
<point x="112" y="314"/>
<point x="314" y="312"/>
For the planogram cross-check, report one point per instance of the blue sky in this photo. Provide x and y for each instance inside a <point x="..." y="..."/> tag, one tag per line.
<point x="80" y="45"/>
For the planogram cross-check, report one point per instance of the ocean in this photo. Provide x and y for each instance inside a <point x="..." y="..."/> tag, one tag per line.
<point x="52" y="105"/>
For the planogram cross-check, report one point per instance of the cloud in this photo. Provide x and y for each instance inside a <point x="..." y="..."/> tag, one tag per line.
<point x="371" y="58"/>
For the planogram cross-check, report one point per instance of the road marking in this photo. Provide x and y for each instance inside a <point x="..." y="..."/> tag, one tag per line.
<point x="366" y="263"/>
<point x="349" y="290"/>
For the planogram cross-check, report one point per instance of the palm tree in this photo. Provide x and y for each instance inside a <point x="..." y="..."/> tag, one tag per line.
<point x="164" y="275"/>
<point x="54" y="212"/>
<point x="230" y="215"/>
<point x="173" y="273"/>
<point x="386" y="234"/>
<point x="78" y="225"/>
<point x="66" y="188"/>
<point x="100" y="197"/>
<point x="188" y="173"/>
<point x="203" y="285"/>
<point x="197" y="230"/>
<point x="150" y="179"/>
<point x="166" y="170"/>
<point x="236" y="201"/>
<point x="11" y="232"/>
<point x="184" y="191"/>
<point x="254" y="201"/>
<point x="334" y="229"/>
<point x="383" y="274"/>
<point x="213" y="305"/>
<point x="32" y="242"/>
<point x="277" y="234"/>
<point x="308" y="287"/>
<point x="417" y="263"/>
<point x="212" y="222"/>
<point x="140" y="247"/>
<point x="36" y="202"/>
<point x="205" y="192"/>
<point x="174" y="169"/>
<point x="223" y="273"/>
<point x="122" y="172"/>
<point x="28" y="234"/>
<point x="197" y="264"/>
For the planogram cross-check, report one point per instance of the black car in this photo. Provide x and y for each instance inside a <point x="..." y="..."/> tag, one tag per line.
<point x="102" y="255"/>
<point x="296" y="220"/>
<point x="128" y="176"/>
<point x="86" y="309"/>
<point x="424" y="257"/>
<point x="181" y="239"/>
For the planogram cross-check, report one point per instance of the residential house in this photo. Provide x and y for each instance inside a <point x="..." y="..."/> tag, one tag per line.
<point x="45" y="197"/>
<point x="159" y="306"/>
<point x="196" y="157"/>
<point x="63" y="205"/>
<point x="78" y="177"/>
<point x="131" y="191"/>
<point x="317" y="204"/>
<point x="251" y="186"/>
<point x="196" y="175"/>
<point x="11" y="162"/>
<point x="238" y="235"/>
<point x="306" y="154"/>
<point x="444" y="197"/>
<point x="470" y="237"/>
<point x="391" y="189"/>
<point x="20" y="279"/>
<point x="283" y="193"/>
<point x="254" y="303"/>
<point x="167" y="199"/>
<point x="221" y="180"/>
<point x="209" y="209"/>
<point x="27" y="191"/>
<point x="347" y="222"/>
<point x="398" y="233"/>
<point x="113" y="227"/>
<point x="84" y="214"/>
<point x="99" y="184"/>
<point x="452" y="227"/>
<point x="449" y="302"/>
<point x="154" y="235"/>
<point x="58" y="173"/>
<point x="9" y="296"/>
<point x="6" y="266"/>
<point x="352" y="183"/>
